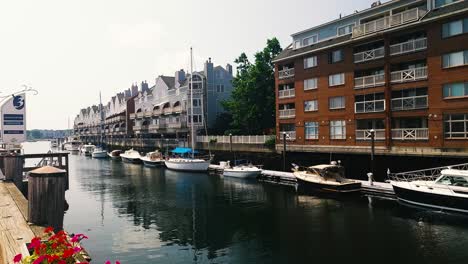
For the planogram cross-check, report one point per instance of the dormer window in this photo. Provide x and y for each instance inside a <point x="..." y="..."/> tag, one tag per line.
<point x="309" y="40"/>
<point x="345" y="30"/>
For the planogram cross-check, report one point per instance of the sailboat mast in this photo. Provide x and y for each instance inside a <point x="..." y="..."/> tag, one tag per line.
<point x="101" y="119"/>
<point x="191" y="103"/>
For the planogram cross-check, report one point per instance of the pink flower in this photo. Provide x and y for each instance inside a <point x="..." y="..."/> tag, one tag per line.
<point x="78" y="237"/>
<point x="117" y="262"/>
<point x="35" y="242"/>
<point x="76" y="249"/>
<point x="108" y="262"/>
<point x="18" y="258"/>
<point x="39" y="260"/>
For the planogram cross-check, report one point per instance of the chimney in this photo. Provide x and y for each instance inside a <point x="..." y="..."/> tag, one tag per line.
<point x="229" y="68"/>
<point x="179" y="77"/>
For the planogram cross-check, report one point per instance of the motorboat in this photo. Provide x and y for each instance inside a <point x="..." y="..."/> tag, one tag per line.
<point x="99" y="153"/>
<point x="326" y="178"/>
<point x="448" y="192"/>
<point x="54" y="143"/>
<point x="131" y="156"/>
<point x="153" y="159"/>
<point x="115" y="154"/>
<point x="242" y="170"/>
<point x="87" y="149"/>
<point x="73" y="144"/>
<point x="183" y="163"/>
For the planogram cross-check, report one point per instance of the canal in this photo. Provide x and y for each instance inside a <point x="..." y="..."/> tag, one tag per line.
<point x="140" y="215"/>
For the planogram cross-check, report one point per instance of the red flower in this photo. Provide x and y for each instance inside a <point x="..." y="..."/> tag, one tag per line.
<point x="35" y="242"/>
<point x="68" y="253"/>
<point x="18" y="258"/>
<point x="49" y="230"/>
<point x="108" y="262"/>
<point x="62" y="262"/>
<point x="117" y="262"/>
<point x="39" y="260"/>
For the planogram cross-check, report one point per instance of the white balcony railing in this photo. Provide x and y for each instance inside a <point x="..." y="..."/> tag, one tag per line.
<point x="369" y="55"/>
<point x="409" y="75"/>
<point x="140" y="114"/>
<point x="409" y="103"/>
<point x="369" y="81"/>
<point x="287" y="113"/>
<point x="286" y="93"/>
<point x="388" y="22"/>
<point x="409" y="46"/>
<point x="369" y="106"/>
<point x="410" y="134"/>
<point x="254" y="139"/>
<point x="290" y="135"/>
<point x="132" y="116"/>
<point x="157" y="112"/>
<point x="286" y="73"/>
<point x="167" y="111"/>
<point x="365" y="134"/>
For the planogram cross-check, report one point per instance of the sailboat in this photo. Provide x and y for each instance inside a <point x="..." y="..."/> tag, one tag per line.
<point x="189" y="163"/>
<point x="99" y="152"/>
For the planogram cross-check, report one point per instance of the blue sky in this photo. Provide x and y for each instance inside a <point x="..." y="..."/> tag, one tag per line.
<point x="71" y="50"/>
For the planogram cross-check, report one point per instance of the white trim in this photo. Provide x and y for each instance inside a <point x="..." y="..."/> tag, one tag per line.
<point x="433" y="206"/>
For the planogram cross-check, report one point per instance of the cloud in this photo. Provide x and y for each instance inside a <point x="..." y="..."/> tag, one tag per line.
<point x="146" y="34"/>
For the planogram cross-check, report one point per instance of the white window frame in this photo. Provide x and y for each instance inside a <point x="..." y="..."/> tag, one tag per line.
<point x="315" y="64"/>
<point x="449" y="134"/>
<point x="311" y="125"/>
<point x="198" y="104"/>
<point x="309" y="37"/>
<point x="353" y="25"/>
<point x="340" y="107"/>
<point x="306" y="82"/>
<point x="464" y="58"/>
<point x="330" y="78"/>
<point x="297" y="44"/>
<point x="342" y="125"/>
<point x="314" y="103"/>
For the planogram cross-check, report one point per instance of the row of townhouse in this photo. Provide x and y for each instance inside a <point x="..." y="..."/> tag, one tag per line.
<point x="163" y="110"/>
<point x="399" y="68"/>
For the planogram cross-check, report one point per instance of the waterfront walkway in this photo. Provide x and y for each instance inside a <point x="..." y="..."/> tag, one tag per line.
<point x="14" y="228"/>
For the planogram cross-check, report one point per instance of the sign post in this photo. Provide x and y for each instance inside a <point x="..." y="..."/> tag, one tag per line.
<point x="13" y="120"/>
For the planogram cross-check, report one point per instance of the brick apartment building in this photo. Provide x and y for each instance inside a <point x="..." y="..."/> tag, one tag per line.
<point x="399" y="68"/>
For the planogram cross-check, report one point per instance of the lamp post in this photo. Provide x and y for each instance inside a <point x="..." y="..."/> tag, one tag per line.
<point x="372" y="135"/>
<point x="284" y="150"/>
<point x="230" y="146"/>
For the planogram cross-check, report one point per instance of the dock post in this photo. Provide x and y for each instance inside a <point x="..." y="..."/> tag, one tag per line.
<point x="372" y="134"/>
<point x="46" y="196"/>
<point x="284" y="151"/>
<point x="14" y="170"/>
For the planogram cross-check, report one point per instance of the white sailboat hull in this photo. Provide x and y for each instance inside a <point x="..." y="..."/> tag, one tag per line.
<point x="243" y="173"/>
<point x="152" y="163"/>
<point x="99" y="154"/>
<point x="187" y="164"/>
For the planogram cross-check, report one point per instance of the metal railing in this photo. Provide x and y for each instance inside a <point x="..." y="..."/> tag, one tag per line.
<point x="408" y="134"/>
<point x="287" y="113"/>
<point x="286" y="93"/>
<point x="254" y="139"/>
<point x="369" y="81"/>
<point x="369" y="55"/>
<point x="388" y="22"/>
<point x="286" y="73"/>
<point x="409" y="103"/>
<point x="430" y="174"/>
<point x="409" y="46"/>
<point x="409" y="75"/>
<point x="369" y="106"/>
<point x="365" y="134"/>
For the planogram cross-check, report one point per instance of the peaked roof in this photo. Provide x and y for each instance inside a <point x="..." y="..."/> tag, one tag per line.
<point x="168" y="80"/>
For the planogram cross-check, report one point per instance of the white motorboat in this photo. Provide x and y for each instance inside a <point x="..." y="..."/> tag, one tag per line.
<point x="131" y="156"/>
<point x="115" y="154"/>
<point x="153" y="159"/>
<point x="54" y="143"/>
<point x="87" y="149"/>
<point x="73" y="144"/>
<point x="99" y="153"/>
<point x="187" y="164"/>
<point x="326" y="178"/>
<point x="242" y="170"/>
<point x="448" y="192"/>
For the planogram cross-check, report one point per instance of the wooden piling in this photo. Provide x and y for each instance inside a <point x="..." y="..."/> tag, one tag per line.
<point x="14" y="170"/>
<point x="46" y="196"/>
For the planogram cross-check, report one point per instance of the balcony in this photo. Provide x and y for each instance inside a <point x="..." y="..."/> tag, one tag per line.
<point x="287" y="113"/>
<point x="290" y="135"/>
<point x="409" y="75"/>
<point x="157" y="112"/>
<point x="176" y="125"/>
<point x="409" y="103"/>
<point x="139" y="115"/>
<point x="410" y="134"/>
<point x="132" y="116"/>
<point x="369" y="55"/>
<point x="388" y="22"/>
<point x="167" y="111"/>
<point x="286" y="73"/>
<point x="148" y="113"/>
<point x="365" y="134"/>
<point x="156" y="126"/>
<point x="140" y="128"/>
<point x="369" y="81"/>
<point x="369" y="106"/>
<point x="177" y="109"/>
<point x="289" y="93"/>
<point x="409" y="46"/>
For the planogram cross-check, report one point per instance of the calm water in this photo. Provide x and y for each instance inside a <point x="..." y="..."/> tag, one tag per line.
<point x="142" y="215"/>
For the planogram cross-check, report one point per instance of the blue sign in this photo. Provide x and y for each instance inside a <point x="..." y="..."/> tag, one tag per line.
<point x="13" y="123"/>
<point x="13" y="117"/>
<point x="18" y="102"/>
<point x="13" y="132"/>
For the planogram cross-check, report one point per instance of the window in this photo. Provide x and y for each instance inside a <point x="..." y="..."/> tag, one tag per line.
<point x="197" y="118"/>
<point x="309" y="40"/>
<point x="369" y="103"/>
<point x="336" y="79"/>
<point x="456" y="126"/>
<point x="337" y="102"/>
<point x="297" y="44"/>
<point x="455" y="90"/>
<point x="220" y="88"/>
<point x="310" y="106"/>
<point x="454" y="59"/>
<point x="338" y="129"/>
<point x="336" y="56"/>
<point x="196" y="102"/>
<point x="455" y="28"/>
<point x="439" y="3"/>
<point x="311" y="130"/>
<point x="310" y="62"/>
<point x="310" y="84"/>
<point x="345" y="30"/>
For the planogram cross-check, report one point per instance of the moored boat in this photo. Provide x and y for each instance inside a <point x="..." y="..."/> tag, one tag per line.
<point x="131" y="156"/>
<point x="153" y="159"/>
<point x="87" y="149"/>
<point x="242" y="170"/>
<point x="115" y="154"/>
<point x="73" y="144"/>
<point x="187" y="164"/>
<point x="448" y="192"/>
<point x="99" y="153"/>
<point x="326" y="178"/>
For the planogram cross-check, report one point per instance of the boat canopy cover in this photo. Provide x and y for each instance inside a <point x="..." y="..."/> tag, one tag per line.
<point x="183" y="151"/>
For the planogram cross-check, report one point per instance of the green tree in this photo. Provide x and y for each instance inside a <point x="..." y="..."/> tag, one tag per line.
<point x="252" y="104"/>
